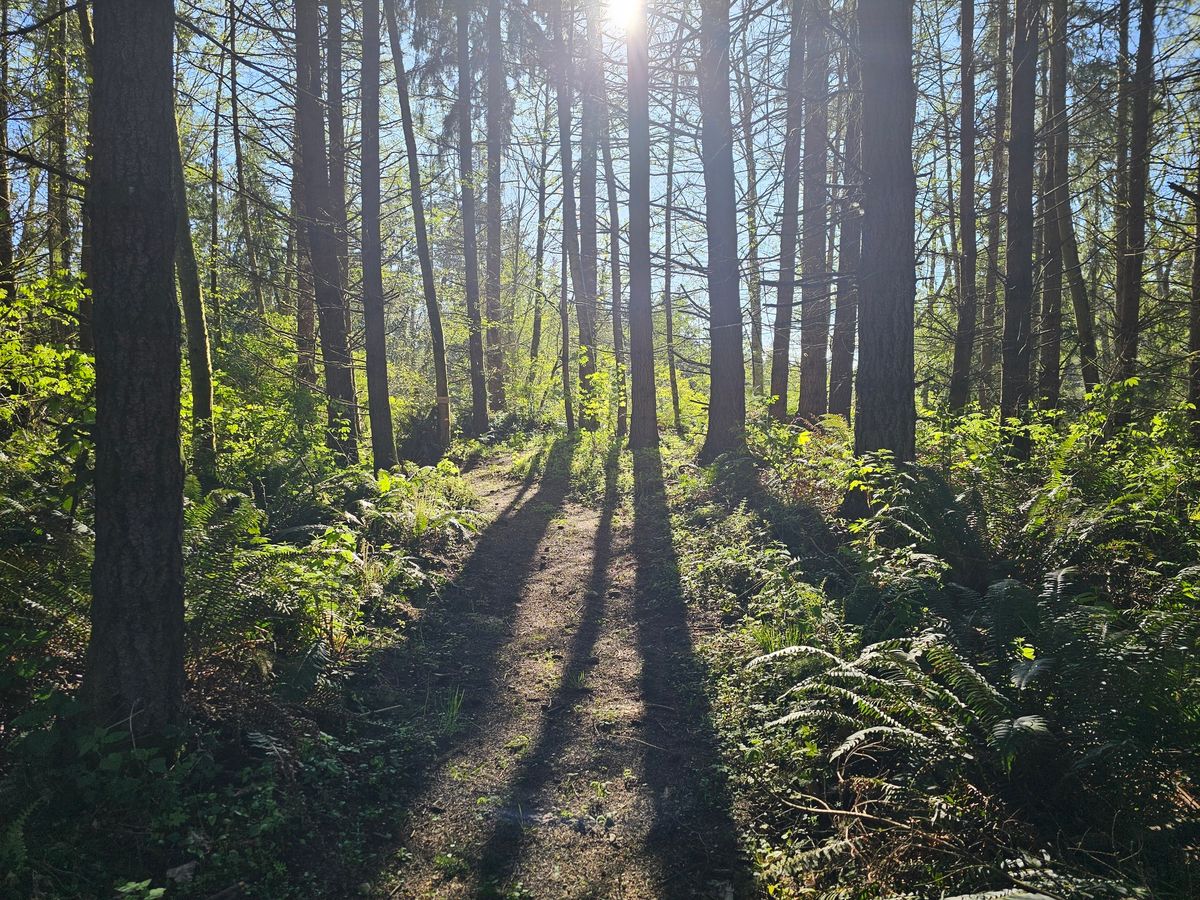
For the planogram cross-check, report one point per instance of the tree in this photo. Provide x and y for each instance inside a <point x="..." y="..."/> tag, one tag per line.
<point x="845" y="325"/>
<point x="993" y="277"/>
<point x="753" y="265"/>
<point x="417" y="203"/>
<point x="379" y="404"/>
<point x="586" y="301"/>
<point x="1128" y="327"/>
<point x="1016" y="388"/>
<point x="204" y="438"/>
<point x="239" y="166"/>
<point x="727" y="367"/>
<point x="814" y="308"/>
<point x="497" y="90"/>
<point x="885" y="414"/>
<point x="466" y="188"/>
<point x="134" y="669"/>
<point x="643" y="420"/>
<point x="8" y="274"/>
<point x="322" y="239"/>
<point x="790" y="219"/>
<point x="964" y="332"/>
<point x="669" y="254"/>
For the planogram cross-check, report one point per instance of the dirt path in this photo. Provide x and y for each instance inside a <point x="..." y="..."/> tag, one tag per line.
<point x="583" y="764"/>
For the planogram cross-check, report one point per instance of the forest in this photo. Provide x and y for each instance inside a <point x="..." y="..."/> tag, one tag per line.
<point x="599" y="449"/>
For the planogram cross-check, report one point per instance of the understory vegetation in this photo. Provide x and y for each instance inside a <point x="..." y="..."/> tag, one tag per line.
<point x="989" y="683"/>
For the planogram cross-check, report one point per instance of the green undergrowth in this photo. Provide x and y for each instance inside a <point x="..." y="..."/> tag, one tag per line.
<point x="990" y="683"/>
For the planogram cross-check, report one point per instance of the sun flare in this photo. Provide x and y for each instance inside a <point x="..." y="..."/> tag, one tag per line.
<point x="624" y="13"/>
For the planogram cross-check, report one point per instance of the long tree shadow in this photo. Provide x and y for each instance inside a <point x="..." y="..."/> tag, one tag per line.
<point x="693" y="836"/>
<point x="513" y="817"/>
<point x="446" y="674"/>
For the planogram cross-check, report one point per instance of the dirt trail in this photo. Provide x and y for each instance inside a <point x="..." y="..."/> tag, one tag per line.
<point x="584" y="764"/>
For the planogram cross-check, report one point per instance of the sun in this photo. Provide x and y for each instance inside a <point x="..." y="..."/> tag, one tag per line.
<point x="624" y="13"/>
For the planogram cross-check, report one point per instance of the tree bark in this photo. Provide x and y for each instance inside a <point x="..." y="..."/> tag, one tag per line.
<point x="335" y="109"/>
<point x="814" y="307"/>
<point x="564" y="318"/>
<point x="1016" y="389"/>
<point x="1128" y="330"/>
<point x="379" y="404"/>
<point x="586" y="302"/>
<point x="781" y="352"/>
<point x="845" y="325"/>
<point x="466" y="186"/>
<point x="1193" y="389"/>
<point x="416" y="200"/>
<point x="727" y="367"/>
<point x="322" y="239"/>
<point x="1050" y="325"/>
<point x="669" y="257"/>
<point x="8" y="273"/>
<point x="59" y="232"/>
<point x="643" y="421"/>
<point x="614" y="264"/>
<point x="886" y="416"/>
<point x="497" y="90"/>
<point x="539" y="253"/>
<point x="964" y="333"/>
<point x="134" y="667"/>
<point x="214" y="219"/>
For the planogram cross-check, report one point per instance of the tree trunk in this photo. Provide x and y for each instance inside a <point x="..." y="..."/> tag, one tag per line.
<point x="214" y="221"/>
<point x="993" y="276"/>
<point x="669" y="255"/>
<point x="845" y="326"/>
<point x="1084" y="323"/>
<point x="204" y="439"/>
<point x="586" y="302"/>
<point x="416" y="200"/>
<point x="59" y="217"/>
<point x="466" y="186"/>
<point x="814" y="307"/>
<point x="727" y="367"/>
<point x="643" y="421"/>
<point x="1050" y="326"/>
<point x="754" y="273"/>
<point x="614" y="264"/>
<point x="134" y="669"/>
<point x="886" y="417"/>
<point x="379" y="404"/>
<point x="497" y="90"/>
<point x="1128" y="328"/>
<point x="322" y="239"/>
<point x="84" y="312"/>
<point x="1121" y="198"/>
<point x="1193" y="389"/>
<point x="1016" y="389"/>
<point x="781" y="353"/>
<point x="306" y="307"/>
<point x="964" y="333"/>
<point x="335" y="109"/>
<point x="8" y="273"/>
<point x="239" y="164"/>
<point x="564" y="318"/>
<point x="539" y="253"/>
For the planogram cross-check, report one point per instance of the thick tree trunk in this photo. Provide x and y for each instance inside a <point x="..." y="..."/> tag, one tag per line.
<point x="964" y="333"/>
<point x="134" y="669"/>
<point x="814" y="307"/>
<point x="1193" y="389"/>
<point x="1128" y="330"/>
<point x="727" y="367"/>
<point x="239" y="164"/>
<point x="994" y="277"/>
<point x="497" y="90"/>
<point x="885" y="415"/>
<point x="322" y="239"/>
<point x="379" y="404"/>
<point x="753" y="266"/>
<point x="845" y="325"/>
<point x="643" y="421"/>
<point x="88" y="42"/>
<point x="204" y="439"/>
<point x="1050" y="325"/>
<point x="1016" y="389"/>
<point x="335" y="109"/>
<point x="781" y="352"/>
<point x="416" y="201"/>
<point x="466" y="186"/>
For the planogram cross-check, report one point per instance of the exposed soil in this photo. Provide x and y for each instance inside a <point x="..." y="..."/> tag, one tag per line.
<point x="582" y="762"/>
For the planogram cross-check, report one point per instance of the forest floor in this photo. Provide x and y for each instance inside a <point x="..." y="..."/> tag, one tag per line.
<point x="582" y="761"/>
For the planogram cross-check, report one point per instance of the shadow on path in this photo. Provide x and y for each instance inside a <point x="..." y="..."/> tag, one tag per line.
<point x="510" y="835"/>
<point x="693" y="835"/>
